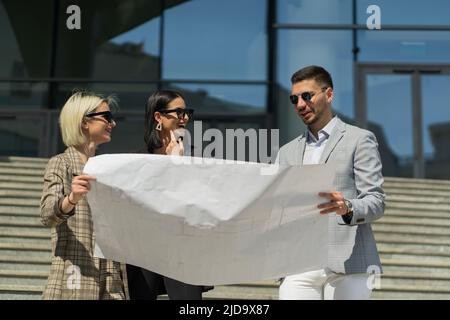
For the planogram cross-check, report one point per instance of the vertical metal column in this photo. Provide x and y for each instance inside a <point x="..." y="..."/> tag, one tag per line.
<point x="419" y="160"/>
<point x="161" y="44"/>
<point x="271" y="102"/>
<point x="360" y="105"/>
<point x="50" y="138"/>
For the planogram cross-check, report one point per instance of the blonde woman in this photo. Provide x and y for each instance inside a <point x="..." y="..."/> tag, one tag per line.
<point x="86" y="121"/>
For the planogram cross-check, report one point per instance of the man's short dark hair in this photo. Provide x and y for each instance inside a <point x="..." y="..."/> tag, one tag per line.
<point x="319" y="74"/>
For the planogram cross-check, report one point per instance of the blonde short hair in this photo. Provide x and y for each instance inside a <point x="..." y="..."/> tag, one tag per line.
<point x="72" y="114"/>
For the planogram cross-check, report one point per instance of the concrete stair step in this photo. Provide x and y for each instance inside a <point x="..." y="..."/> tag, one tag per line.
<point x="419" y="258"/>
<point x="10" y="201"/>
<point x="416" y="289"/>
<point x="415" y="187"/>
<point x="21" y="186"/>
<point x="19" y="178"/>
<point x="21" y="194"/>
<point x="44" y="254"/>
<point x="23" y="165"/>
<point x="19" y="211"/>
<point x="399" y="295"/>
<point x="25" y="233"/>
<point x="251" y="291"/>
<point x="22" y="172"/>
<point x="411" y="181"/>
<point x="414" y="221"/>
<point x="30" y="260"/>
<point x="412" y="261"/>
<point x="390" y="292"/>
<point x="45" y="247"/>
<point x="23" y="281"/>
<point x="261" y="290"/>
<point x="224" y="295"/>
<point x="24" y="274"/>
<point x="26" y="221"/>
<point x="242" y="293"/>
<point x="21" y="292"/>
<point x="258" y="284"/>
<point x="426" y="270"/>
<point x="416" y="214"/>
<point x="26" y="241"/>
<point x="13" y="266"/>
<point x="417" y="192"/>
<point x="418" y="206"/>
<point x="431" y="231"/>
<point x="20" y="296"/>
<point x="400" y="239"/>
<point x="413" y="199"/>
<point x="17" y="159"/>
<point x="421" y="207"/>
<point x="269" y="289"/>
<point x="417" y="249"/>
<point x="21" y="289"/>
<point x="420" y="284"/>
<point x="401" y="273"/>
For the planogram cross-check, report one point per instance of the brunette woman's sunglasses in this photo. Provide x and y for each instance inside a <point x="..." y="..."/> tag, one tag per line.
<point x="107" y="115"/>
<point x="181" y="112"/>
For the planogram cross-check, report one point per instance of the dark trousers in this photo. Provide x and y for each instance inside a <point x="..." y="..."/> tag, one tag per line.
<point x="147" y="285"/>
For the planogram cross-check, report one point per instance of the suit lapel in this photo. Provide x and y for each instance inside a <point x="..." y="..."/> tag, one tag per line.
<point x="301" y="148"/>
<point x="75" y="160"/>
<point x="335" y="136"/>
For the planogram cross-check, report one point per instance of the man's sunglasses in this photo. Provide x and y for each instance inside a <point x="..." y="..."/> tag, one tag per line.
<point x="107" y="115"/>
<point x="181" y="112"/>
<point x="306" y="96"/>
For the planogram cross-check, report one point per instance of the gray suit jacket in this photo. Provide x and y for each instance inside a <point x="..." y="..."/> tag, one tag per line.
<point x="354" y="151"/>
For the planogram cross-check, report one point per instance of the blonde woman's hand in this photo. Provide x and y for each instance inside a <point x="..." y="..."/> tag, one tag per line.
<point x="80" y="187"/>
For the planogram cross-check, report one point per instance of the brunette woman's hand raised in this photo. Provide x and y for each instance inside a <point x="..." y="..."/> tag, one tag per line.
<point x="173" y="146"/>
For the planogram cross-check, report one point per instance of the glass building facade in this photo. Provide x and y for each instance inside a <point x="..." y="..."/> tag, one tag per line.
<point x="233" y="61"/>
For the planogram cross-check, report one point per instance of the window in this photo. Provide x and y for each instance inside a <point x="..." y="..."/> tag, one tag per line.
<point x="315" y="11"/>
<point x="23" y="95"/>
<point x="407" y="12"/>
<point x="131" y="97"/>
<point x="404" y="46"/>
<point x="117" y="40"/>
<point x="224" y="99"/>
<point x="216" y="39"/>
<point x="26" y="38"/>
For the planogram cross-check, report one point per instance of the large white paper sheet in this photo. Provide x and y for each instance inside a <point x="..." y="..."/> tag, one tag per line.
<point x="209" y="223"/>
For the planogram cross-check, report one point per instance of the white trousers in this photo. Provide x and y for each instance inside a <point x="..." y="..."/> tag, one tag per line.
<point x="325" y="284"/>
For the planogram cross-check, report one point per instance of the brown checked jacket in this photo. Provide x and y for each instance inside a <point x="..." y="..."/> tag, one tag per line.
<point x="75" y="273"/>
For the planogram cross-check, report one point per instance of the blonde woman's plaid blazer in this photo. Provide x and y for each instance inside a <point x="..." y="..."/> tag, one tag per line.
<point x="75" y="273"/>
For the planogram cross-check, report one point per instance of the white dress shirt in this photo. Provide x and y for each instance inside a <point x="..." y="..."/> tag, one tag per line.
<point x="314" y="147"/>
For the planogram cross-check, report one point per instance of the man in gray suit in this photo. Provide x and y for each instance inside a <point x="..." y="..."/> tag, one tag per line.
<point x="358" y="198"/>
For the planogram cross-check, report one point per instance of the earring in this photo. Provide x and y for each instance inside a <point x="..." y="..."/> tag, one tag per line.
<point x="159" y="126"/>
